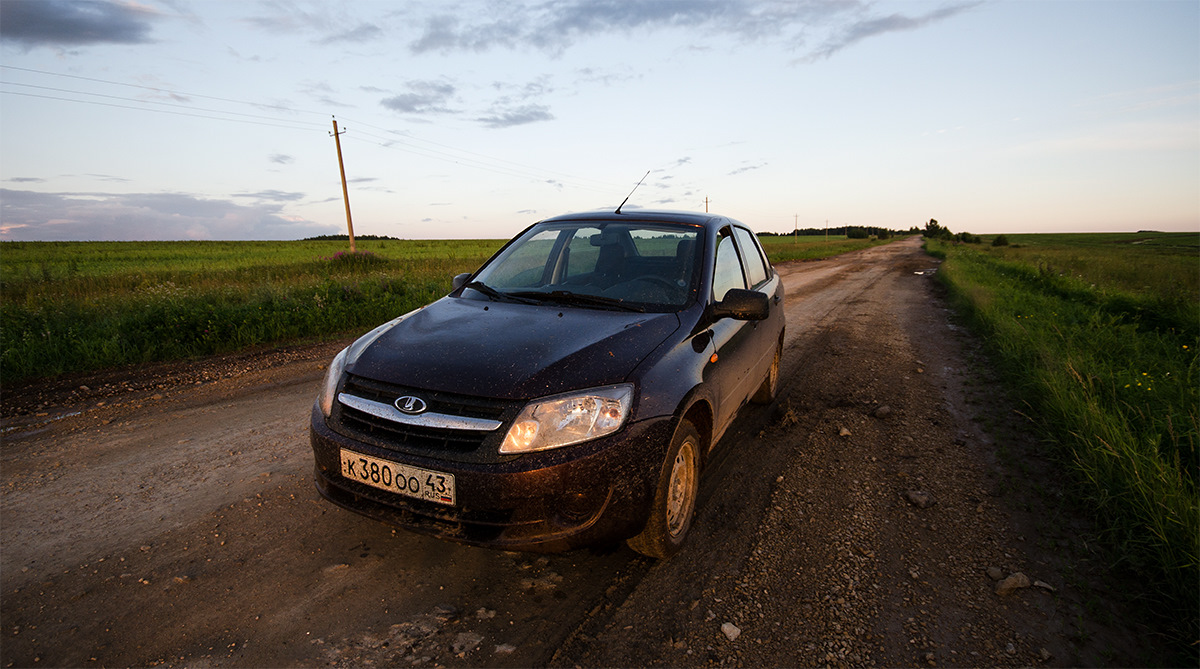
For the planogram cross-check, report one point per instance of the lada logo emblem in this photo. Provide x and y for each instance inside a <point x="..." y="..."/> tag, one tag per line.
<point x="411" y="405"/>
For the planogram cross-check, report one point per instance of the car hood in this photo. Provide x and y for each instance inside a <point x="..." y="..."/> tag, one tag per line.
<point x="512" y="351"/>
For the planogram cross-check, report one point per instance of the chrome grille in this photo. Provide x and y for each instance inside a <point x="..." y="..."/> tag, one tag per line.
<point x="423" y="440"/>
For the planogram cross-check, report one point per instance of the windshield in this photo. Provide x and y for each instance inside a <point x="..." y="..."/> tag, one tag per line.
<point x="648" y="266"/>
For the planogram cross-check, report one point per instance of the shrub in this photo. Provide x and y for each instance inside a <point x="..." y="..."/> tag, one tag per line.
<point x="356" y="260"/>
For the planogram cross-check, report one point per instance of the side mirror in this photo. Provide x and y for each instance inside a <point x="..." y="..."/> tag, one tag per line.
<point x="743" y="305"/>
<point x="460" y="280"/>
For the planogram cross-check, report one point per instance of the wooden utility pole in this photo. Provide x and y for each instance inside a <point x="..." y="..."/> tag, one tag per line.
<point x="345" y="192"/>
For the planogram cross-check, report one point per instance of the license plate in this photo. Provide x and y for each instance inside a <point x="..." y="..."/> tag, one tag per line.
<point x="394" y="477"/>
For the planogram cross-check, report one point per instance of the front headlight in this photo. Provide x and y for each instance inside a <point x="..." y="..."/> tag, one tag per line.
<point x="570" y="418"/>
<point x="347" y="356"/>
<point x="329" y="385"/>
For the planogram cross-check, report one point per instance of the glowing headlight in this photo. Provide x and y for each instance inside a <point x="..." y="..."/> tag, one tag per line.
<point x="562" y="420"/>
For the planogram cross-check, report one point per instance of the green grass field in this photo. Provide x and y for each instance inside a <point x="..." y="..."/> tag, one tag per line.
<point x="1099" y="335"/>
<point x="79" y="306"/>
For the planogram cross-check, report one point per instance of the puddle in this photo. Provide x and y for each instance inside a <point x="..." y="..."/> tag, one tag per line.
<point x="39" y="423"/>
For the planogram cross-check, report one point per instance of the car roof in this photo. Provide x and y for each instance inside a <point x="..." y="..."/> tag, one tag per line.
<point x="702" y="219"/>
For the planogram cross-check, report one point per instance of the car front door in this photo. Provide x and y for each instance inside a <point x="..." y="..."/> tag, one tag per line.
<point x="733" y="340"/>
<point x="762" y="278"/>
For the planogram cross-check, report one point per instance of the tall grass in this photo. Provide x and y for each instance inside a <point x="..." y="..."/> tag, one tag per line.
<point x="63" y="309"/>
<point x="1100" y="337"/>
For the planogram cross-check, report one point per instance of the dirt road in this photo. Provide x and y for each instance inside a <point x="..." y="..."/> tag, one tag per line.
<point x="167" y="516"/>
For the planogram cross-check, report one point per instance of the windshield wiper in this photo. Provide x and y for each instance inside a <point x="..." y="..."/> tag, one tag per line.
<point x="496" y="295"/>
<point x="567" y="297"/>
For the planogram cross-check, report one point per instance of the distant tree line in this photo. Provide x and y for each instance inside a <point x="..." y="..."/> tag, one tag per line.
<point x="849" y="231"/>
<point x="346" y="238"/>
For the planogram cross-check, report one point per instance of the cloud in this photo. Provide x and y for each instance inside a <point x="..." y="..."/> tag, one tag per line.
<point x="506" y="118"/>
<point x="556" y="26"/>
<point x="443" y="34"/>
<point x="747" y="168"/>
<point x="26" y="180"/>
<point x="518" y="106"/>
<point x="288" y="17"/>
<point x="862" y="29"/>
<point x="62" y="23"/>
<point x="364" y="32"/>
<point x="593" y="76"/>
<point x="538" y="87"/>
<point x="30" y="216"/>
<point x="322" y="92"/>
<point x="586" y="18"/>
<point x="422" y="97"/>
<point x="107" y="177"/>
<point x="272" y="195"/>
<point x="280" y="158"/>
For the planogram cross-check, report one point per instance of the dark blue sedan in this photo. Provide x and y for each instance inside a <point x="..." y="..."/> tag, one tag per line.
<point x="567" y="393"/>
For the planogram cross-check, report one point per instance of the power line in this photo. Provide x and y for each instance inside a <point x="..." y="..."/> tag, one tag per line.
<point x="395" y="139"/>
<point x="389" y="143"/>
<point x="156" y="111"/>
<point x="406" y="137"/>
<point x="150" y="102"/>
<point x="160" y="90"/>
<point x="398" y="145"/>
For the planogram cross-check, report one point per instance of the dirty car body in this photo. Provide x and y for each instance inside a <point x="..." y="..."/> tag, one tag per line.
<point x="565" y="394"/>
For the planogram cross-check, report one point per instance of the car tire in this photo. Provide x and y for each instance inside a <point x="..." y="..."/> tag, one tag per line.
<point x="770" y="385"/>
<point x="675" y="497"/>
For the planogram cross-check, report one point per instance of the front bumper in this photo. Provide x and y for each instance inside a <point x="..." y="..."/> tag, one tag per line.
<point x="556" y="500"/>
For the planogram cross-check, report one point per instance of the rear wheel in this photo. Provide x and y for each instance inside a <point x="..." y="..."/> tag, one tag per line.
<point x="770" y="385"/>
<point x="675" y="498"/>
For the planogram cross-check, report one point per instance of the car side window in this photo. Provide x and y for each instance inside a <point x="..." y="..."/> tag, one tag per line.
<point x="728" y="269"/>
<point x="583" y="255"/>
<point x="756" y="267"/>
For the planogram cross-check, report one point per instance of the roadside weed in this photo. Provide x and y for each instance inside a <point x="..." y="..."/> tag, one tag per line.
<point x="1100" y="340"/>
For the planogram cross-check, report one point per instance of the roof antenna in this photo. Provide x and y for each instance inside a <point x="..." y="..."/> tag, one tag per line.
<point x="639" y="183"/>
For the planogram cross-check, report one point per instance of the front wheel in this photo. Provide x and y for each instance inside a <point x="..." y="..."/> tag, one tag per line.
<point x="675" y="498"/>
<point x="770" y="385"/>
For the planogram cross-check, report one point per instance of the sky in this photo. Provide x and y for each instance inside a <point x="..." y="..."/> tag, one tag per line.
<point x="173" y="120"/>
